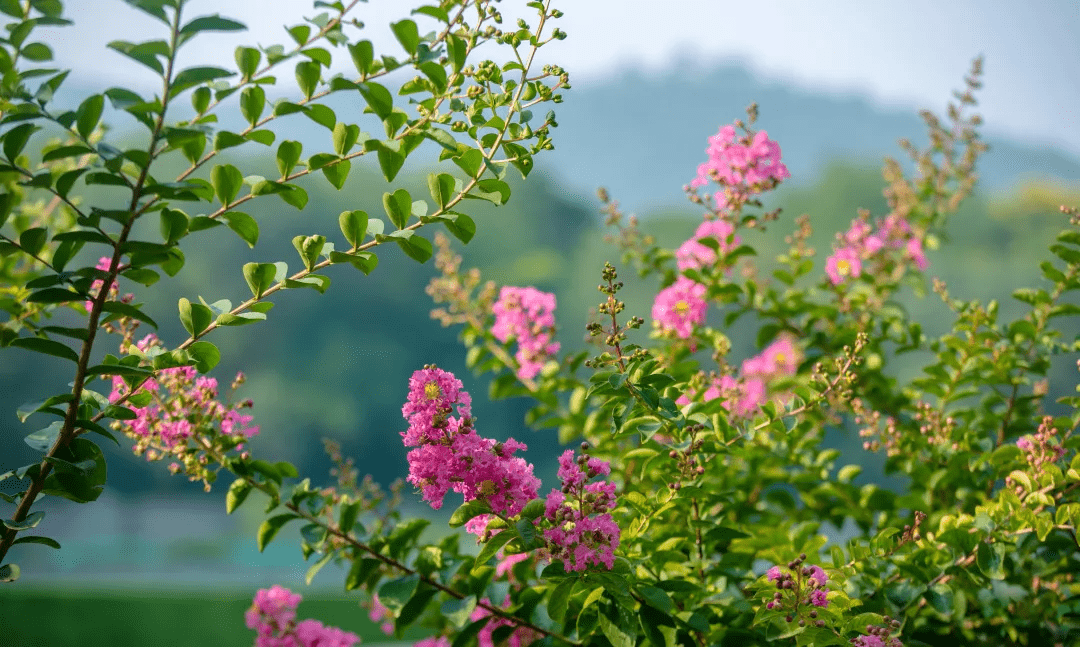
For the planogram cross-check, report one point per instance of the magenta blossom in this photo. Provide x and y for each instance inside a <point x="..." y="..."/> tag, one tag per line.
<point x="844" y="263"/>
<point x="583" y="531"/>
<point x="693" y="254"/>
<point x="526" y="315"/>
<point x="680" y="306"/>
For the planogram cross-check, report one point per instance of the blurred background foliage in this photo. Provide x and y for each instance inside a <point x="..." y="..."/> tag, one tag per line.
<point x="337" y="365"/>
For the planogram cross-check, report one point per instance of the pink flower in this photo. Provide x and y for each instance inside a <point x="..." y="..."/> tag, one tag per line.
<point x="436" y="641"/>
<point x="741" y="169"/>
<point x="842" y="264"/>
<point x="818" y="599"/>
<point x="915" y="252"/>
<point x="450" y="454"/>
<point x="680" y="306"/>
<point x="527" y="316"/>
<point x="506" y="563"/>
<point x="520" y="637"/>
<point x="382" y="615"/>
<point x="818" y="575"/>
<point x="1024" y="444"/>
<point x="773" y="574"/>
<point x="272" y="616"/>
<point x="778" y="359"/>
<point x="582" y="531"/>
<point x="693" y="253"/>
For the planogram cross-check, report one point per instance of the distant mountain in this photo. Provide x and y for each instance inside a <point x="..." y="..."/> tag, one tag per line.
<point x="642" y="135"/>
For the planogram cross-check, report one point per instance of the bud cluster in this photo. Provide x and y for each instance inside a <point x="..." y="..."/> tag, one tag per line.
<point x="879" y="635"/>
<point x="798" y="591"/>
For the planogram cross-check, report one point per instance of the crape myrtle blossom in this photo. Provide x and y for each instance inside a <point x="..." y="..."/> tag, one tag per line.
<point x="860" y="244"/>
<point x="679" y="307"/>
<point x="526" y="315"/>
<point x="694" y="254"/>
<point x="273" y="616"/>
<point x="742" y="168"/>
<point x="799" y="589"/>
<point x="583" y="532"/>
<point x="520" y="637"/>
<point x="95" y="287"/>
<point x="744" y="395"/>
<point x="177" y="413"/>
<point x="450" y="454"/>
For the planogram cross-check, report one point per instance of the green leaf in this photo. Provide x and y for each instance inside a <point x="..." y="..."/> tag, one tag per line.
<point x="349" y="513"/>
<point x="309" y="248"/>
<point x="146" y="53"/>
<point x="492" y="547"/>
<point x="307" y="76"/>
<point x="46" y="346"/>
<point x="288" y="154"/>
<point x="252" y="103"/>
<point x="210" y="23"/>
<point x="991" y="560"/>
<point x="259" y="277"/>
<point x="940" y="596"/>
<point x="359" y="572"/>
<point x="407" y="34"/>
<point x="398" y="206"/>
<point x="43" y="439"/>
<point x="317" y="566"/>
<point x="321" y="115"/>
<point x="195" y="317"/>
<point x="37" y="539"/>
<point x="363" y="261"/>
<point x="527" y="531"/>
<point x="33" y="240"/>
<point x="226" y="180"/>
<point x="467" y="511"/>
<point x="363" y="54"/>
<point x="353" y="225"/>
<point x="442" y="188"/>
<point x="560" y="599"/>
<point x="200" y="100"/>
<point x="55" y="295"/>
<point x="193" y="76"/>
<point x="615" y="633"/>
<point x="656" y="598"/>
<point x="37" y="52"/>
<point x="88" y="114"/>
<point x="174" y="225"/>
<point x="315" y="281"/>
<point x="344" y="137"/>
<point x="64" y="152"/>
<point x="244" y="226"/>
<point x="492" y="190"/>
<point x="206" y="356"/>
<point x="413" y="244"/>
<point x="337" y="173"/>
<point x="247" y="60"/>
<point x="395" y="594"/>
<point x="270" y="527"/>
<point x="378" y="98"/>
<point x="460" y="225"/>
<point x="458" y="611"/>
<point x="471" y="161"/>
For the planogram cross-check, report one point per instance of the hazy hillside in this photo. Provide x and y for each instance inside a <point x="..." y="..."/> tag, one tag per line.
<point x="643" y="135"/>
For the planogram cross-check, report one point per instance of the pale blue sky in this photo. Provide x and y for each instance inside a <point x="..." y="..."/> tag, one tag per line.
<point x="908" y="54"/>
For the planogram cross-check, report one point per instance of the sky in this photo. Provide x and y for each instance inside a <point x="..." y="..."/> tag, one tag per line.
<point x="908" y="54"/>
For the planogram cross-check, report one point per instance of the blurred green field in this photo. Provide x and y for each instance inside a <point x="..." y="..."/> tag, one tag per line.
<point x="129" y="618"/>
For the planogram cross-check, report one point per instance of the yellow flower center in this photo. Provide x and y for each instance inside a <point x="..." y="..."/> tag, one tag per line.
<point x="843" y="267"/>
<point x="780" y="359"/>
<point x="682" y="307"/>
<point x="431" y="391"/>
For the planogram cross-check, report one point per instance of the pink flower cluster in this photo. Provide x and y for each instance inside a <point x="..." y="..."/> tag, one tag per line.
<point x="741" y="167"/>
<point x="180" y="404"/>
<point x="95" y="287"/>
<point x="1041" y="448"/>
<point x="521" y="636"/>
<point x="273" y="616"/>
<point x="743" y="396"/>
<point x="528" y="316"/>
<point x="694" y="254"/>
<point x="879" y="635"/>
<point x="450" y="454"/>
<point x="582" y="531"/>
<point x="860" y="244"/>
<point x="806" y="584"/>
<point x="680" y="306"/>
<point x="382" y="615"/>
